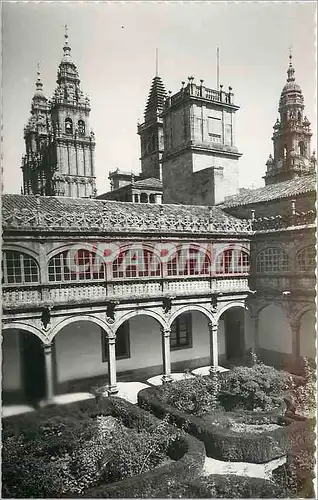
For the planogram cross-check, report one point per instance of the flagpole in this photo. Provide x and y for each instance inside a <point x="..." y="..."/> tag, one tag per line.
<point x="217" y="68"/>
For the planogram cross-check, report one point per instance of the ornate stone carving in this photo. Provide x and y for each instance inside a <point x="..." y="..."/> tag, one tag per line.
<point x="46" y="318"/>
<point x="110" y="309"/>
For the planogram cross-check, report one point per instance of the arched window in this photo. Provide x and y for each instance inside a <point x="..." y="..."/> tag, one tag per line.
<point x="189" y="262"/>
<point x="272" y="260"/>
<point x="81" y="127"/>
<point x="299" y="116"/>
<point x="19" y="268"/>
<point x="136" y="263"/>
<point x="80" y="265"/>
<point x="306" y="259"/>
<point x="302" y="148"/>
<point x="232" y="261"/>
<point x="68" y="126"/>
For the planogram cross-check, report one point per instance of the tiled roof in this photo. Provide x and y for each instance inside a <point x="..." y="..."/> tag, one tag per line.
<point x="284" y="189"/>
<point x="21" y="212"/>
<point x="150" y="182"/>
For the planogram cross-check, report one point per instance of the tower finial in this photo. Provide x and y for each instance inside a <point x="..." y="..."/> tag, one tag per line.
<point x="66" y="47"/>
<point x="290" y="71"/>
<point x="38" y="84"/>
<point x="157" y="62"/>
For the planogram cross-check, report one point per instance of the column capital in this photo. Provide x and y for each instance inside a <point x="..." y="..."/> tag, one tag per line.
<point x="212" y="326"/>
<point x="295" y="324"/>
<point x="166" y="332"/>
<point x="111" y="340"/>
<point x="47" y="347"/>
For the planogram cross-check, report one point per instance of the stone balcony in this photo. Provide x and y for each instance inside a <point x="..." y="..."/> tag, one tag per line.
<point x="297" y="283"/>
<point x="18" y="297"/>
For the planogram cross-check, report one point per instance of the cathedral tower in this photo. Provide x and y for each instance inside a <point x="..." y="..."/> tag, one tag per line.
<point x="39" y="162"/>
<point x="75" y="144"/>
<point x="151" y="131"/>
<point x="200" y="160"/>
<point x="291" y="137"/>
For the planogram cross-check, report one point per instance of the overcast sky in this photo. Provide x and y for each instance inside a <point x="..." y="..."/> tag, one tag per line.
<point x="114" y="44"/>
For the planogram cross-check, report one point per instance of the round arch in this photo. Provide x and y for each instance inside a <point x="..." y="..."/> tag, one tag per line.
<point x="190" y="308"/>
<point x="303" y="311"/>
<point x="74" y="319"/>
<point x="22" y="249"/>
<point x="28" y="329"/>
<point x="69" y="246"/>
<point x="140" y="312"/>
<point x="231" y="305"/>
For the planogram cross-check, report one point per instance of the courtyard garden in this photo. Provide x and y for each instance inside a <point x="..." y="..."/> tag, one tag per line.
<point x="109" y="448"/>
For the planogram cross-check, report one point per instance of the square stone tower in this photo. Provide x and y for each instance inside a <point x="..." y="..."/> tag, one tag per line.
<point x="200" y="159"/>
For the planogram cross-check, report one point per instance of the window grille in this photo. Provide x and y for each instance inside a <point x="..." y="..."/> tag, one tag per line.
<point x="272" y="260"/>
<point x="83" y="266"/>
<point x="189" y="262"/>
<point x="306" y="259"/>
<point x="19" y="268"/>
<point x="232" y="261"/>
<point x="136" y="263"/>
<point x="181" y="332"/>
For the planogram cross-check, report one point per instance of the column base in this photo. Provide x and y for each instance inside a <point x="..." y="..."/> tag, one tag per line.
<point x="212" y="369"/>
<point x="166" y="378"/>
<point x="112" y="390"/>
<point x="47" y="402"/>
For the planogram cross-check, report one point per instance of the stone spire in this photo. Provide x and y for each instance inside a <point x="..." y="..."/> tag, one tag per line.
<point x="156" y="99"/>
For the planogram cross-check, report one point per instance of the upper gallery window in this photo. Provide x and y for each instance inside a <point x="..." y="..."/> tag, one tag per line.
<point x="306" y="259"/>
<point x="81" y="266"/>
<point x="136" y="263"/>
<point x="19" y="268"/>
<point x="68" y="126"/>
<point x="189" y="262"/>
<point x="232" y="261"/>
<point x="272" y="260"/>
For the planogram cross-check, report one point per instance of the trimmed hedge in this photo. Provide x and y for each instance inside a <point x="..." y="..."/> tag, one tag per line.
<point x="188" y="452"/>
<point x="223" y="443"/>
<point x="224" y="486"/>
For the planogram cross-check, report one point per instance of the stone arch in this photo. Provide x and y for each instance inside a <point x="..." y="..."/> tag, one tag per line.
<point x="74" y="319"/>
<point x="226" y="307"/>
<point x="22" y="249"/>
<point x="275" y="334"/>
<point x="132" y="314"/>
<point x="68" y="246"/>
<point x="28" y="329"/>
<point x="190" y="308"/>
<point x="307" y="333"/>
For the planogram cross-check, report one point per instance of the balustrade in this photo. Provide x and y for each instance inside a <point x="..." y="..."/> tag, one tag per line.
<point x="93" y="292"/>
<point x="283" y="283"/>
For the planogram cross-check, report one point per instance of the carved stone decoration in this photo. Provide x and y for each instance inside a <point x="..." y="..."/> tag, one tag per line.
<point x="110" y="311"/>
<point x="167" y="304"/>
<point x="46" y="318"/>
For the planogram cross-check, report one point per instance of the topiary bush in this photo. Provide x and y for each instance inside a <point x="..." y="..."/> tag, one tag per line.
<point x="256" y="388"/>
<point x="224" y="486"/>
<point x="198" y="395"/>
<point x="47" y="455"/>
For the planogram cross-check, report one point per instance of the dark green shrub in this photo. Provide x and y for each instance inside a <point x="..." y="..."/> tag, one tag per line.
<point x="259" y="387"/>
<point x="223" y="486"/>
<point x="64" y="456"/>
<point x="196" y="395"/>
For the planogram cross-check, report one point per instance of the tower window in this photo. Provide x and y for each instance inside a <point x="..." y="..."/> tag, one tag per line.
<point x="302" y="149"/>
<point x="285" y="152"/>
<point x="68" y="126"/>
<point x="81" y="127"/>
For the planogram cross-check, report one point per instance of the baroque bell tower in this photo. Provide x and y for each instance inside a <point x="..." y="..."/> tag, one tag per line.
<point x="74" y="142"/>
<point x="39" y="161"/>
<point x="292" y="136"/>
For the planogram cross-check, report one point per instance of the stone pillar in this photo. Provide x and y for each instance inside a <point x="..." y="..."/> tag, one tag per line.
<point x="49" y="396"/>
<point x="214" y="352"/>
<point x="255" y="331"/>
<point x="295" y="328"/>
<point x="112" y="386"/>
<point x="166" y="332"/>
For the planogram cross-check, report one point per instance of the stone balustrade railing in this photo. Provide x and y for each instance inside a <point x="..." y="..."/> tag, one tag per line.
<point x="25" y="295"/>
<point x="295" y="283"/>
<point x="284" y="221"/>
